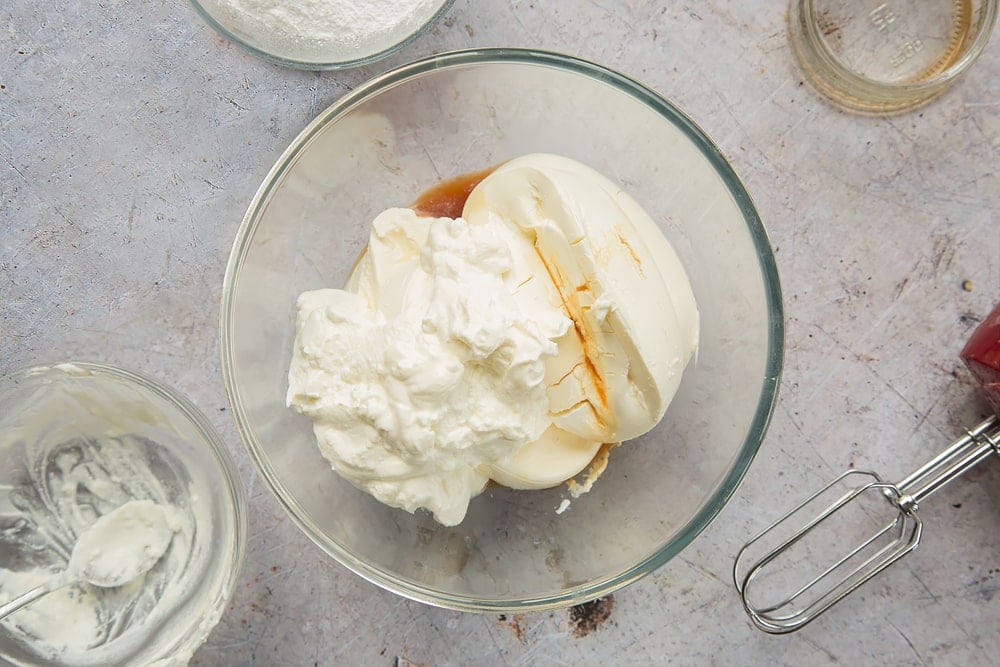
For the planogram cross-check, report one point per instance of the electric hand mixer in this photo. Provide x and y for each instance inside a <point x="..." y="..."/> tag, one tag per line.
<point x="772" y="549"/>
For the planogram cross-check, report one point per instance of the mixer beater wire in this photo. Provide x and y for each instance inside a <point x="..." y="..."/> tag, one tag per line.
<point x="768" y="555"/>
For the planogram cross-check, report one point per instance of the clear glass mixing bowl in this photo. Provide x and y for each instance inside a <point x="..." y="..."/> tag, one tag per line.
<point x="382" y="145"/>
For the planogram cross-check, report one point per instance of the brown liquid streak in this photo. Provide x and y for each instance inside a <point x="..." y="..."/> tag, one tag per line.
<point x="447" y="198"/>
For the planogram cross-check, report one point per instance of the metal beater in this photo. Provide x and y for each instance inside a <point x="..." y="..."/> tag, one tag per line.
<point x="893" y="540"/>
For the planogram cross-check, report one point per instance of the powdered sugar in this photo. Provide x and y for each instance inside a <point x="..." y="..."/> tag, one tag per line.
<point x="321" y="31"/>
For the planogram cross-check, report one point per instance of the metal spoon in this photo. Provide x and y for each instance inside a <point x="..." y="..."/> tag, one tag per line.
<point x="119" y="547"/>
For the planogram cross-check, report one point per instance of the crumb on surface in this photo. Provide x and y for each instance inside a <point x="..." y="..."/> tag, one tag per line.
<point x="597" y="468"/>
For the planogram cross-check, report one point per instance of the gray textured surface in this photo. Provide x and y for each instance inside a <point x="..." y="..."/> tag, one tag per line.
<point x="132" y="138"/>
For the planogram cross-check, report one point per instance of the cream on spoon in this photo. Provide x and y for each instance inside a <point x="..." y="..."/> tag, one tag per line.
<point x="119" y="547"/>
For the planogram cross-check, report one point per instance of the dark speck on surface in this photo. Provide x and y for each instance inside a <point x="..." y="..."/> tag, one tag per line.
<point x="589" y="616"/>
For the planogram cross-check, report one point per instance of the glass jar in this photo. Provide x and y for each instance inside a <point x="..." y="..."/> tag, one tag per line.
<point x="881" y="57"/>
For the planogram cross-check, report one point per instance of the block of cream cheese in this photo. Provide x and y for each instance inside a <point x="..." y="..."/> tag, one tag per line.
<point x="508" y="344"/>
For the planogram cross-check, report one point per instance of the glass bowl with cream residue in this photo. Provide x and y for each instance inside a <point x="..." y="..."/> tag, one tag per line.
<point x="395" y="137"/>
<point x="77" y="442"/>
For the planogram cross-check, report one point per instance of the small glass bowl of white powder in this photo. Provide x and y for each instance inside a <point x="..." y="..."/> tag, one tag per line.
<point x="321" y="34"/>
<point x="80" y="443"/>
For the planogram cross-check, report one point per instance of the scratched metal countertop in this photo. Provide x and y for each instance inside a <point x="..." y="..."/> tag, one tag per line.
<point x="132" y="138"/>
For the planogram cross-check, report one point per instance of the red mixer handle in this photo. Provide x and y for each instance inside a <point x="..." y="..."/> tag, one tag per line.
<point x="982" y="356"/>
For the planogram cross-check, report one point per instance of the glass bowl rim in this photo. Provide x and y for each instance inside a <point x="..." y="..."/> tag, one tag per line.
<point x="766" y="262"/>
<point x="233" y="482"/>
<point x="320" y="66"/>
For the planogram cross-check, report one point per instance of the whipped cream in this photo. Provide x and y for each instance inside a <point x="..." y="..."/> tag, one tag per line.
<point x="430" y="371"/>
<point x="508" y="344"/>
